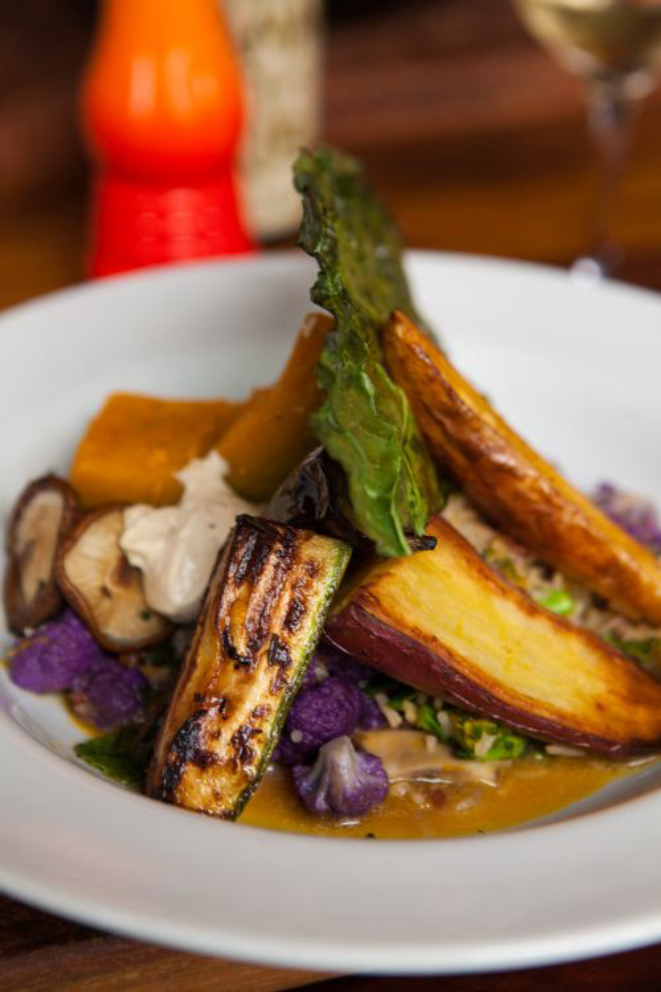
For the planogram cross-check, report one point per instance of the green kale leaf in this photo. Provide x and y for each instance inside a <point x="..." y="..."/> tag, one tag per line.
<point x="366" y="422"/>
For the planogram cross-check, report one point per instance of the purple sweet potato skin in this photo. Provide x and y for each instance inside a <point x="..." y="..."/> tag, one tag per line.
<point x="396" y="653"/>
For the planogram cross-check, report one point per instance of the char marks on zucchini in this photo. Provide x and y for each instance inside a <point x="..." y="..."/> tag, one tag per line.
<point x="262" y="617"/>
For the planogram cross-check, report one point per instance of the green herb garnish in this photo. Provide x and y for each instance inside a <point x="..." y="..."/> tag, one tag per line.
<point x="428" y="721"/>
<point x="112" y="755"/>
<point x="462" y="732"/>
<point x="502" y="744"/>
<point x="558" y="601"/>
<point x="366" y="422"/>
<point x="124" y="754"/>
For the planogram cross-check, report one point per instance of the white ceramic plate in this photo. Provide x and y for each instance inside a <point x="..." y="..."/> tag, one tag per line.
<point x="578" y="372"/>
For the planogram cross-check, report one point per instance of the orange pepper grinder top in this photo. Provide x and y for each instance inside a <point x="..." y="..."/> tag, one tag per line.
<point x="162" y="113"/>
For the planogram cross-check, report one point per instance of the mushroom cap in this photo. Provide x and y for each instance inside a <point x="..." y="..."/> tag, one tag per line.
<point x="42" y="515"/>
<point x="103" y="588"/>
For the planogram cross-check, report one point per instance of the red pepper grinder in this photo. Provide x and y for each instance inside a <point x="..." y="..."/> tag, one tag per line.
<point x="162" y="113"/>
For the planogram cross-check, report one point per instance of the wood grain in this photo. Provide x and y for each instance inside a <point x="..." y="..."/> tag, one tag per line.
<point x="41" y="953"/>
<point x="636" y="971"/>
<point x="477" y="140"/>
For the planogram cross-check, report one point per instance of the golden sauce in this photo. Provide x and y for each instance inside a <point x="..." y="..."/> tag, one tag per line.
<point x="528" y="789"/>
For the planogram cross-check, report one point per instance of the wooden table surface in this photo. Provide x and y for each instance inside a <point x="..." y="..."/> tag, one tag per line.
<point x="478" y="142"/>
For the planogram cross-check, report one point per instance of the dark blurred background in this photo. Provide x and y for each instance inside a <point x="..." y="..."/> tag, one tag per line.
<point x="473" y="133"/>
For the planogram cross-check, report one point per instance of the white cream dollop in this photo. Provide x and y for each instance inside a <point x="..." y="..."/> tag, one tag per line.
<point x="175" y="547"/>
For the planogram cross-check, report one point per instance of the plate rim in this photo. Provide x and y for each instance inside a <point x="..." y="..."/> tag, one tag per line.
<point x="500" y="956"/>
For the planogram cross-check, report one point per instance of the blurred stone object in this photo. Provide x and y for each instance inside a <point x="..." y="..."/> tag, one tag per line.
<point x="280" y="46"/>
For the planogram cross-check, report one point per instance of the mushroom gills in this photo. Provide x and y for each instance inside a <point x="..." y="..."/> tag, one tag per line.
<point x="104" y="589"/>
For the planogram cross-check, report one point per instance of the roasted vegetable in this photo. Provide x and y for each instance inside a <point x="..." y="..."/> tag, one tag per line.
<point x="365" y="422"/>
<point x="342" y="782"/>
<point x="104" y="588"/>
<point x="513" y="485"/>
<point x="135" y="444"/>
<point x="333" y="707"/>
<point x="42" y="514"/>
<point x="109" y="694"/>
<point x="55" y="656"/>
<point x="63" y="656"/>
<point x="273" y="433"/>
<point x="637" y="516"/>
<point x="444" y="622"/>
<point x="316" y="496"/>
<point x="261" y="619"/>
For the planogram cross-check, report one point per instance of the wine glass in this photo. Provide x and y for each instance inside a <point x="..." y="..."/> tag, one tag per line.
<point x="614" y="46"/>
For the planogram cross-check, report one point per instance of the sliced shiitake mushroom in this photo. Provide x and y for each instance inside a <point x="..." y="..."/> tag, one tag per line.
<point x="103" y="588"/>
<point x="43" y="513"/>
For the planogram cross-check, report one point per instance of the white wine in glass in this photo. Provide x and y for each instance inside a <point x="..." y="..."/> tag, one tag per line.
<point x="615" y="46"/>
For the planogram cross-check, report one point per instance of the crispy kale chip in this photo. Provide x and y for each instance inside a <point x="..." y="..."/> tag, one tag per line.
<point x="366" y="422"/>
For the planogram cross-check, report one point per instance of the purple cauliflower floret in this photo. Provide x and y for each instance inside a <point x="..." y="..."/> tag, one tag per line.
<point x="327" y="661"/>
<point x="63" y="656"/>
<point x="319" y="713"/>
<point x="342" y="782"/>
<point x="109" y="694"/>
<point x="371" y="717"/>
<point x="55" y="656"/>
<point x="343" y="666"/>
<point x="637" y="516"/>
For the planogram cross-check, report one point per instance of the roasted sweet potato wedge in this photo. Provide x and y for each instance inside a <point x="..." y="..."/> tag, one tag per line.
<point x="513" y="485"/>
<point x="444" y="622"/>
<point x="273" y="434"/>
<point x="261" y="620"/>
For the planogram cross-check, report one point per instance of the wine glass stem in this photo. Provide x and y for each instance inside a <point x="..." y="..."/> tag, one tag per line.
<point x="610" y="114"/>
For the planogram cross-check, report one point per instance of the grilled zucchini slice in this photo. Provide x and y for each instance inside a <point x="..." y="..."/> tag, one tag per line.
<point x="262" y="617"/>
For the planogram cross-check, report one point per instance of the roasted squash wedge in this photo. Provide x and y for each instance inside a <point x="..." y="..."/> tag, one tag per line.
<point x="273" y="434"/>
<point x="444" y="622"/>
<point x="513" y="485"/>
<point x="263" y="615"/>
<point x="135" y="444"/>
